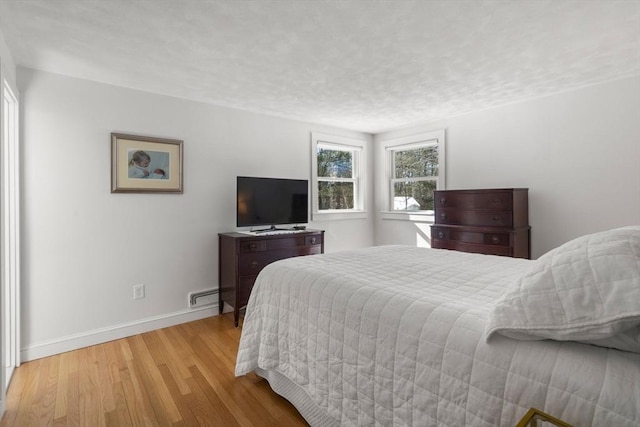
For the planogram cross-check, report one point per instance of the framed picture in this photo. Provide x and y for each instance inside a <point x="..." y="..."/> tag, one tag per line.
<point x="536" y="418"/>
<point x="143" y="164"/>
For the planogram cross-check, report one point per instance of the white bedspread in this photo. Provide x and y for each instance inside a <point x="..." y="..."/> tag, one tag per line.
<point x="394" y="336"/>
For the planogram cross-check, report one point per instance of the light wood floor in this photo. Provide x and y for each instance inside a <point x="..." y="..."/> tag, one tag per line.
<point x="177" y="376"/>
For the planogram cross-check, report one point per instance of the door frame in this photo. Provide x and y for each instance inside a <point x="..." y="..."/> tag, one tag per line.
<point x="9" y="233"/>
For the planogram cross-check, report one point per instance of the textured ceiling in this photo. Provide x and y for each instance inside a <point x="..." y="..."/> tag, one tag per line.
<point x="362" y="65"/>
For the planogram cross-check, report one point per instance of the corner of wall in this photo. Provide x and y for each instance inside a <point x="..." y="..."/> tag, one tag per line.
<point x="6" y="60"/>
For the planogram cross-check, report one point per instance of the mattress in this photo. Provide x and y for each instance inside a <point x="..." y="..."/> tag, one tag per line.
<point x="395" y="336"/>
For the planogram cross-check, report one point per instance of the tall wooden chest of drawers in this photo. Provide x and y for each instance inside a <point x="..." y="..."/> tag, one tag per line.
<point x="494" y="221"/>
<point x="243" y="256"/>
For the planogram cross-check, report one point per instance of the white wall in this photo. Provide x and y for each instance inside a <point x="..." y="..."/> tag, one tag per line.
<point x="6" y="60"/>
<point x="85" y="248"/>
<point x="578" y="153"/>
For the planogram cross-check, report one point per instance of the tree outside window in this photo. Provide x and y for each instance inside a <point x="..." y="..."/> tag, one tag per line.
<point x="416" y="170"/>
<point x="335" y="179"/>
<point x="415" y="178"/>
<point x="338" y="176"/>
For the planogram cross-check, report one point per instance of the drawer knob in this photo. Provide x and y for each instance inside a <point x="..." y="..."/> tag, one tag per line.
<point x="440" y="234"/>
<point x="497" y="201"/>
<point x="253" y="246"/>
<point x="495" y="239"/>
<point x="443" y="215"/>
<point x="313" y="240"/>
<point x="497" y="218"/>
<point x="254" y="264"/>
<point x="443" y="200"/>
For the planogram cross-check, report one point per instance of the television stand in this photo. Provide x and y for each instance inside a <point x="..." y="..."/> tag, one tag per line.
<point x="243" y="256"/>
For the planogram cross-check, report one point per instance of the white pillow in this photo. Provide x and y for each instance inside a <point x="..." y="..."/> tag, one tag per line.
<point x="585" y="290"/>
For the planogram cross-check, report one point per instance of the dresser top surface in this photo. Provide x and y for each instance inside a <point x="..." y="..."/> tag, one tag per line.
<point x="270" y="235"/>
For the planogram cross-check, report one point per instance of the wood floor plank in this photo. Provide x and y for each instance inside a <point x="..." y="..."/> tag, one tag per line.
<point x="181" y="376"/>
<point x="217" y="380"/>
<point x="62" y="387"/>
<point x="220" y="374"/>
<point x="182" y="348"/>
<point x="119" y="416"/>
<point x="182" y="400"/>
<point x="60" y="422"/>
<point x="176" y="363"/>
<point x="161" y="400"/>
<point x="125" y="349"/>
<point x="218" y="349"/>
<point x="206" y="411"/>
<point x="73" y="389"/>
<point x="114" y="360"/>
<point x="231" y="388"/>
<point x="30" y="417"/>
<point x="138" y="403"/>
<point x="49" y="386"/>
<point x="91" y="408"/>
<point x="105" y="386"/>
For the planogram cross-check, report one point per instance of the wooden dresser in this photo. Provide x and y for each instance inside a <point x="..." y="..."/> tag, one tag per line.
<point x="494" y="221"/>
<point x="242" y="256"/>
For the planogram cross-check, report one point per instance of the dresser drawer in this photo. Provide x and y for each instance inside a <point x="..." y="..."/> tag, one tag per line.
<point x="470" y="201"/>
<point x="472" y="248"/>
<point x="253" y="246"/>
<point x="489" y="218"/>
<point x="499" y="239"/>
<point x="294" y="241"/>
<point x="471" y="236"/>
<point x="253" y="263"/>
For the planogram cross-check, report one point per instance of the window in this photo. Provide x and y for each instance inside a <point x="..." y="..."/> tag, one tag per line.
<point x="338" y="177"/>
<point x="416" y="170"/>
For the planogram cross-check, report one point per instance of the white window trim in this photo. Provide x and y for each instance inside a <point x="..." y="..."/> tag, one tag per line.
<point x="360" y="174"/>
<point x="409" y="142"/>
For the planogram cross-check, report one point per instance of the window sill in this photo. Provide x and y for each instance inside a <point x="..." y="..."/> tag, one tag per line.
<point x="408" y="216"/>
<point x="338" y="215"/>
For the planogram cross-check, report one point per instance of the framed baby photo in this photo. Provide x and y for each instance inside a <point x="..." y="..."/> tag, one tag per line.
<point x="144" y="164"/>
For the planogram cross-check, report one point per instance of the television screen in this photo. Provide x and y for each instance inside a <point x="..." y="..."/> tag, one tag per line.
<point x="271" y="201"/>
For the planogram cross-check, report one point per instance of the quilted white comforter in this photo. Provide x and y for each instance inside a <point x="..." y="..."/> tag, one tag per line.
<point x="394" y="336"/>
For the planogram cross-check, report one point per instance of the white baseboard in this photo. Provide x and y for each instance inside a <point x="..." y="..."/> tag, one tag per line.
<point x="99" y="336"/>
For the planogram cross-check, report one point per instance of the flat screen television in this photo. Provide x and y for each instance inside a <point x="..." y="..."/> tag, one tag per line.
<point x="267" y="202"/>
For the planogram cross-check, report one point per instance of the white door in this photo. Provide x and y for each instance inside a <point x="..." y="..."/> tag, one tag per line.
<point x="9" y="236"/>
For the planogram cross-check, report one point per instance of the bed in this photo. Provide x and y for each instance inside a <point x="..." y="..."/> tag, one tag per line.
<point x="406" y="336"/>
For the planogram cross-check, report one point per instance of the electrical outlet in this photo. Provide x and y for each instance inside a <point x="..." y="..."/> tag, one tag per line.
<point x="138" y="292"/>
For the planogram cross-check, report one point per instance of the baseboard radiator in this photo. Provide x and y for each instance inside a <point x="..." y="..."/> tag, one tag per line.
<point x="201" y="298"/>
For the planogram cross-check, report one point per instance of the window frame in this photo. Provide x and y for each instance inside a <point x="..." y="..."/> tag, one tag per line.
<point x="359" y="172"/>
<point x="408" y="143"/>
